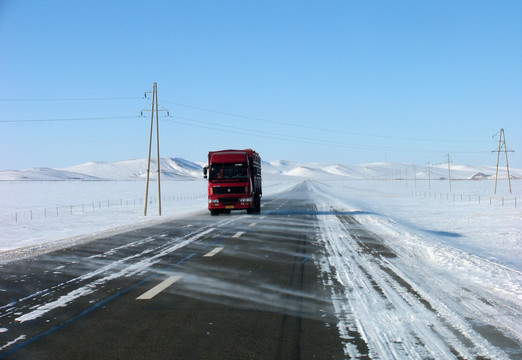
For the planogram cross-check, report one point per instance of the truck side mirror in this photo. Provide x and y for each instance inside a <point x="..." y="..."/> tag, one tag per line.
<point x="205" y="170"/>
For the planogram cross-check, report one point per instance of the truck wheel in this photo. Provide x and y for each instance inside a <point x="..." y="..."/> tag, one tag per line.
<point x="256" y="206"/>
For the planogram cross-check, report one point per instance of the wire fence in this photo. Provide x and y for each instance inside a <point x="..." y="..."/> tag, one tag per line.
<point x="44" y="213"/>
<point x="479" y="199"/>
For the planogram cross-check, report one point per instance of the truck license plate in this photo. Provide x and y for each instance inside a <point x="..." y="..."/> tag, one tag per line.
<point x="229" y="206"/>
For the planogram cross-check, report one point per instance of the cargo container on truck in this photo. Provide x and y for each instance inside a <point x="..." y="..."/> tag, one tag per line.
<point x="234" y="181"/>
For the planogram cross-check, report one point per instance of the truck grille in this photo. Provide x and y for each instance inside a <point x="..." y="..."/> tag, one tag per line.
<point x="229" y="190"/>
<point x="232" y="200"/>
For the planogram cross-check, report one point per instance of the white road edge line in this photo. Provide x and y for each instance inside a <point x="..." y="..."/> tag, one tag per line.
<point x="213" y="252"/>
<point x="158" y="288"/>
<point x="238" y="234"/>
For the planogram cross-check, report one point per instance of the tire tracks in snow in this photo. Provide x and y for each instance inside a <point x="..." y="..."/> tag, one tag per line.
<point x="382" y="312"/>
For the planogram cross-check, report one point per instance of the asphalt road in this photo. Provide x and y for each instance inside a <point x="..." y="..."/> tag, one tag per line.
<point x="228" y="287"/>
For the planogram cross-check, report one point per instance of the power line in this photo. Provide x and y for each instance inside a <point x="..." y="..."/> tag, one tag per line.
<point x="72" y="99"/>
<point x="258" y="133"/>
<point x="298" y="139"/>
<point x="71" y="119"/>
<point x="295" y="125"/>
<point x="243" y="131"/>
<point x="302" y="126"/>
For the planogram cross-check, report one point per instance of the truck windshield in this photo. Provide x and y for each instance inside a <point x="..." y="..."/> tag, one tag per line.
<point x="228" y="171"/>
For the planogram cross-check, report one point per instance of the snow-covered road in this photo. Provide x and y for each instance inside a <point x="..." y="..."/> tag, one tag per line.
<point x="406" y="297"/>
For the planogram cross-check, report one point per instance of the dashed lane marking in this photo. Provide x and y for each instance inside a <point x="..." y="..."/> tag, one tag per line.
<point x="213" y="252"/>
<point x="238" y="234"/>
<point x="253" y="224"/>
<point x="158" y="288"/>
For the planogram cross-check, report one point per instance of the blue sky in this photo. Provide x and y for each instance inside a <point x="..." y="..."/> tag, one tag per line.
<point x="348" y="82"/>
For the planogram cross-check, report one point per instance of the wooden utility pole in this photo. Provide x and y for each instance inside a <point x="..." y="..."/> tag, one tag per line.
<point x="429" y="176"/>
<point x="153" y="110"/>
<point x="502" y="144"/>
<point x="449" y="172"/>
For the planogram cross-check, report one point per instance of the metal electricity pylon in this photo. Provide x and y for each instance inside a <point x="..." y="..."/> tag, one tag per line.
<point x="502" y="145"/>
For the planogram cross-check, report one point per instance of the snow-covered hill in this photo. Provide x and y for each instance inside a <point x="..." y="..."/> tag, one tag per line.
<point x="384" y="170"/>
<point x="171" y="169"/>
<point x="43" y="174"/>
<point x="181" y="169"/>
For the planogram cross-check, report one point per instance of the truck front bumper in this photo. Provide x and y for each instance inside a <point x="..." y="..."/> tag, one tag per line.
<point x="229" y="203"/>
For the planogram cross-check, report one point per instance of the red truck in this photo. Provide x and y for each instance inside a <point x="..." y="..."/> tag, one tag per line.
<point x="234" y="181"/>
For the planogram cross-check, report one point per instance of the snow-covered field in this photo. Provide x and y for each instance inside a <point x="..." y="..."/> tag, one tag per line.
<point x="470" y="217"/>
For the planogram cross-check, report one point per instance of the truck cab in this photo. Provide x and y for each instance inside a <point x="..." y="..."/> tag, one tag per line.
<point x="234" y="181"/>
